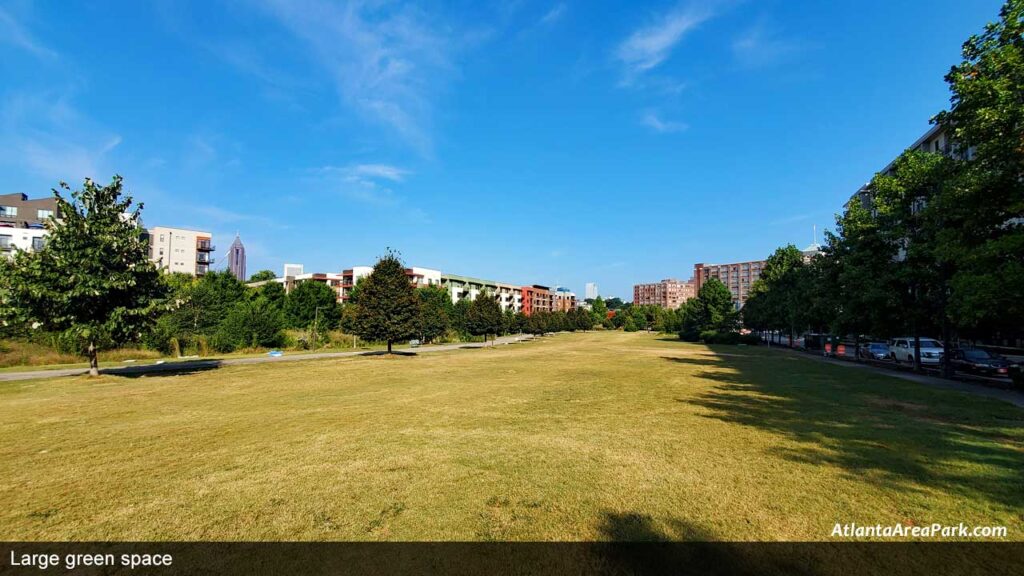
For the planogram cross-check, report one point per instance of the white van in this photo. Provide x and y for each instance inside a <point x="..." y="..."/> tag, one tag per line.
<point x="902" y="350"/>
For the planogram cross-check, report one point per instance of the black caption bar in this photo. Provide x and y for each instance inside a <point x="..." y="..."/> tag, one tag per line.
<point x="168" y="558"/>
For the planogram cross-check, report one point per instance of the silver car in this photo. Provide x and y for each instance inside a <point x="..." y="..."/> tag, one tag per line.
<point x="902" y="350"/>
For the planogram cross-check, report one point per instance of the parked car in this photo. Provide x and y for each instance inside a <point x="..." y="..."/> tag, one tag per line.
<point x="979" y="361"/>
<point x="874" y="351"/>
<point x="902" y="350"/>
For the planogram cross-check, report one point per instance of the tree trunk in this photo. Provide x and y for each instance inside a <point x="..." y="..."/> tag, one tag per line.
<point x="389" y="346"/>
<point x="94" y="360"/>
<point x="917" y="350"/>
<point x="856" y="347"/>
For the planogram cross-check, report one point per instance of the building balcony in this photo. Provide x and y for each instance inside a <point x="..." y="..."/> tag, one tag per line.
<point x="204" y="258"/>
<point x="205" y="246"/>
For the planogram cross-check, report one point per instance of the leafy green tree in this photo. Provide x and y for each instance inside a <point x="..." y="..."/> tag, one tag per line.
<point x="639" y="317"/>
<point x="263" y="276"/>
<point x="538" y="323"/>
<point x="312" y="301"/>
<point x="93" y="281"/>
<point x="388" y="308"/>
<point x="983" y="232"/>
<point x="250" y="323"/>
<point x="629" y="324"/>
<point x="484" y="316"/>
<point x="599" y="310"/>
<point x="581" y="319"/>
<point x="508" y="322"/>
<point x="615" y="303"/>
<point x="904" y="204"/>
<point x="712" y="310"/>
<point x="460" y="312"/>
<point x="274" y="293"/>
<point x="519" y="324"/>
<point x="435" y="312"/>
<point x="199" y="306"/>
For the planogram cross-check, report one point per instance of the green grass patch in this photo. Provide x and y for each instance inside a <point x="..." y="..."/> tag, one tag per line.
<point x="604" y="435"/>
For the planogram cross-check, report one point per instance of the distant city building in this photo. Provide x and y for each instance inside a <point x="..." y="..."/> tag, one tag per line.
<point x="737" y="277"/>
<point x="23" y="222"/>
<point x="236" y="259"/>
<point x="669" y="293"/>
<point x="591" y="291"/>
<point x="181" y="250"/>
<point x="512" y="297"/>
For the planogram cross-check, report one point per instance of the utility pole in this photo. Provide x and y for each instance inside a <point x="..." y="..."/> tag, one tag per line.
<point x="316" y="317"/>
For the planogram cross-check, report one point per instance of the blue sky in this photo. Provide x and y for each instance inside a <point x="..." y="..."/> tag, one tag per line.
<point x="526" y="141"/>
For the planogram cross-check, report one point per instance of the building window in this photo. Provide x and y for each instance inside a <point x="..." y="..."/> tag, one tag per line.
<point x="44" y="214"/>
<point x="9" y="211"/>
<point x="5" y="240"/>
<point x="38" y="244"/>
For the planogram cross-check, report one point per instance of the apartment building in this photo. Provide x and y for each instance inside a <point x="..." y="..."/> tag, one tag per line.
<point x="181" y="250"/>
<point x="591" y="291"/>
<point x="564" y="301"/>
<point x="23" y="222"/>
<point x="935" y="140"/>
<point x="669" y="293"/>
<point x="18" y="211"/>
<point x="417" y="276"/>
<point x="537" y="298"/>
<point x="737" y="277"/>
<point x="509" y="296"/>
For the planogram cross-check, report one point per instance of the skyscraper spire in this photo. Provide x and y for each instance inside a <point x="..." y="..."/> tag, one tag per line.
<point x="236" y="258"/>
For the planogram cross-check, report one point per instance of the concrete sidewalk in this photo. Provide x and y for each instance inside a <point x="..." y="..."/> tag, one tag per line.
<point x="1012" y="396"/>
<point x="199" y="364"/>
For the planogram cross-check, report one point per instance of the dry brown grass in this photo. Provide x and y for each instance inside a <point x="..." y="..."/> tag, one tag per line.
<point x="577" y="437"/>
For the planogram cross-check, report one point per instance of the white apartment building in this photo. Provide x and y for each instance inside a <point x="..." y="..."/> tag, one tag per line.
<point x="28" y="239"/>
<point x="591" y="291"/>
<point x="181" y="250"/>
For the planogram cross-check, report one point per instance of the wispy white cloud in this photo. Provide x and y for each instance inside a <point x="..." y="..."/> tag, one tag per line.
<point x="652" y="120"/>
<point x="554" y="14"/>
<point x="221" y="216"/>
<point x="761" y="46"/>
<point x="365" y="183"/>
<point x="649" y="46"/>
<point x="384" y="171"/>
<point x="47" y="135"/>
<point x="386" y="61"/>
<point x="14" y="33"/>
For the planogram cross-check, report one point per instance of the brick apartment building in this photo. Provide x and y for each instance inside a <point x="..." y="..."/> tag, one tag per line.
<point x="669" y="293"/>
<point x="737" y="277"/>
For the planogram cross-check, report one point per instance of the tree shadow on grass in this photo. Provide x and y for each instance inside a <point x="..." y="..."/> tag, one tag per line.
<point x="638" y="546"/>
<point x="385" y="353"/>
<point x="168" y="369"/>
<point x="903" y="435"/>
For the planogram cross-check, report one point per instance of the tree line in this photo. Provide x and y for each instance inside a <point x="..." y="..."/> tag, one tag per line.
<point x="936" y="243"/>
<point x="94" y="287"/>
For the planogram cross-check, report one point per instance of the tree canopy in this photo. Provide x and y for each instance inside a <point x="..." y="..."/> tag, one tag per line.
<point x="93" y="280"/>
<point x="388" y="308"/>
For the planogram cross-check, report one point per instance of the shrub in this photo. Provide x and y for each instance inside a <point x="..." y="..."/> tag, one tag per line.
<point x="629" y="325"/>
<point x="689" y="335"/>
<point x="714" y="337"/>
<point x="255" y="323"/>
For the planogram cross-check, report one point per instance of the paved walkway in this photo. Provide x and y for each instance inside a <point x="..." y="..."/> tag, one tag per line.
<point x="199" y="364"/>
<point x="1012" y="396"/>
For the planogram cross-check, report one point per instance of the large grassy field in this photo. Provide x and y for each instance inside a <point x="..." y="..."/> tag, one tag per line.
<point x="574" y="437"/>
